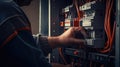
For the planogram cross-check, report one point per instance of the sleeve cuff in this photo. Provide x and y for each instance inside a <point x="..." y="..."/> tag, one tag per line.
<point x="42" y="43"/>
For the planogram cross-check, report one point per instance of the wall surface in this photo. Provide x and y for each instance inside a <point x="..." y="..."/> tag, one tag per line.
<point x="32" y="12"/>
<point x="44" y="17"/>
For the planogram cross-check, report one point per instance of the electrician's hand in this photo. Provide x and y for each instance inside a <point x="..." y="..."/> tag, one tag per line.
<point x="68" y="38"/>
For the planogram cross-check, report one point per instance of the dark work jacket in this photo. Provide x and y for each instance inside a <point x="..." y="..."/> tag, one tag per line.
<point x="17" y="45"/>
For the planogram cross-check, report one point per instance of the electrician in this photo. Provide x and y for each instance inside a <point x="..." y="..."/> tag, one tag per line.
<point x="18" y="48"/>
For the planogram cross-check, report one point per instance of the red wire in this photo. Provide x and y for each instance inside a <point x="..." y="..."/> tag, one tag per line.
<point x="110" y="35"/>
<point x="106" y="48"/>
<point x="107" y="25"/>
<point x="61" y="54"/>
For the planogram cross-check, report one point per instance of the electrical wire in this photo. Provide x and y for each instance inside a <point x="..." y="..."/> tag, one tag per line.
<point x="79" y="13"/>
<point x="107" y="25"/>
<point x="76" y="6"/>
<point x="61" y="55"/>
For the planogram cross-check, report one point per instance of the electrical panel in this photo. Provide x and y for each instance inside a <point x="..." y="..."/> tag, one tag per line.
<point x="92" y="21"/>
<point x="97" y="17"/>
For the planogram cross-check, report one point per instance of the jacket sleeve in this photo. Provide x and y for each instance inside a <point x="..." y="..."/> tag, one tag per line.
<point x="18" y="47"/>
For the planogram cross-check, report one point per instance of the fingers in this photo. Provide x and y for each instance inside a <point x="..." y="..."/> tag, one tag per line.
<point x="69" y="37"/>
<point x="84" y="32"/>
<point x="80" y="30"/>
<point x="77" y="41"/>
<point x="80" y="41"/>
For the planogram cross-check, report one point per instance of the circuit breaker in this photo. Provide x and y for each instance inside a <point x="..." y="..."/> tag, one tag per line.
<point x="93" y="22"/>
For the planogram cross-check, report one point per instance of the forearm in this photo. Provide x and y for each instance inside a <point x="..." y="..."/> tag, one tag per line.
<point x="47" y="43"/>
<point x="54" y="41"/>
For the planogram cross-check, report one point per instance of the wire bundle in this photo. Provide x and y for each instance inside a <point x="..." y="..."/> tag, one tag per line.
<point x="107" y="26"/>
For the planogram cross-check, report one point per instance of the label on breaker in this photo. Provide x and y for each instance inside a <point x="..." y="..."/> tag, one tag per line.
<point x="86" y="23"/>
<point x="67" y="22"/>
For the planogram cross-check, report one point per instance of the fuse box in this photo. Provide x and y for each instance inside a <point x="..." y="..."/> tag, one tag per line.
<point x="98" y="22"/>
